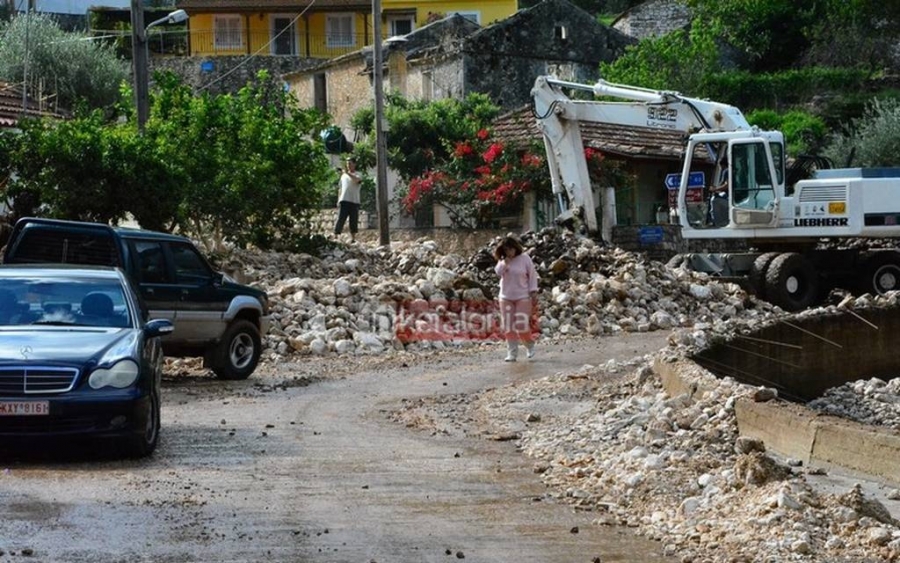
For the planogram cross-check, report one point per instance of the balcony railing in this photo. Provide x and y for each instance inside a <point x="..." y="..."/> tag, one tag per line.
<point x="162" y="42"/>
<point x="320" y="46"/>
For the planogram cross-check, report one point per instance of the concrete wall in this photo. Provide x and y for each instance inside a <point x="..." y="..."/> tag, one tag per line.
<point x="804" y="357"/>
<point x="795" y="431"/>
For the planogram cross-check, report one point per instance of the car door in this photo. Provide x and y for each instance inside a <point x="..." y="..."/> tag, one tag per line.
<point x="202" y="306"/>
<point x="155" y="278"/>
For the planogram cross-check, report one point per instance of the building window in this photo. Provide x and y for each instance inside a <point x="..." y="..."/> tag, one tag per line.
<point x="471" y="16"/>
<point x="339" y="29"/>
<point x="229" y="33"/>
<point x="401" y="25"/>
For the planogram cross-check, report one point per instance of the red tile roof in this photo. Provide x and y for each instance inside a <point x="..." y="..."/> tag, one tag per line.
<point x="519" y="127"/>
<point x="11" y="107"/>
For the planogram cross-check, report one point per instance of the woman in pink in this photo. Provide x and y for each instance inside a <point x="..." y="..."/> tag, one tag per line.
<point x="518" y="295"/>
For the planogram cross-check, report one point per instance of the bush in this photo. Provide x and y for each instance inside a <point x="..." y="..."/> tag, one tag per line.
<point x="804" y="133"/>
<point x="872" y="140"/>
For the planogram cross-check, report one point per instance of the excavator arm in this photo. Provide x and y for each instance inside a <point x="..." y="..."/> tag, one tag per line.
<point x="559" y="119"/>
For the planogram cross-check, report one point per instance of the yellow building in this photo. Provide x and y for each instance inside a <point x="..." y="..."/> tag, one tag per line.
<point x="318" y="29"/>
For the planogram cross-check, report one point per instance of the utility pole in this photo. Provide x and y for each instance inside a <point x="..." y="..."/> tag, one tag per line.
<point x="380" y="142"/>
<point x="139" y="64"/>
<point x="28" y="10"/>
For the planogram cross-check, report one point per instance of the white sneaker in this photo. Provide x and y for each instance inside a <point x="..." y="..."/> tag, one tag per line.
<point x="530" y="351"/>
<point x="510" y="357"/>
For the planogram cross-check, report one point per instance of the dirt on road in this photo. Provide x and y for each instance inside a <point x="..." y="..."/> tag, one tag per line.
<point x="310" y="462"/>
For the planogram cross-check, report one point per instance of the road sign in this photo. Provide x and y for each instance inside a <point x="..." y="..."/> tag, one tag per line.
<point x="650" y="235"/>
<point x="695" y="180"/>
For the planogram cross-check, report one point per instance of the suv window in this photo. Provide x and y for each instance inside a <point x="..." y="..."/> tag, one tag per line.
<point x="38" y="245"/>
<point x="151" y="262"/>
<point x="189" y="264"/>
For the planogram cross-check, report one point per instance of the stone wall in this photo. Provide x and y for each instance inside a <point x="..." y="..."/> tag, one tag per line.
<point x="662" y="242"/>
<point x="504" y="59"/>
<point x="654" y="18"/>
<point x="221" y="74"/>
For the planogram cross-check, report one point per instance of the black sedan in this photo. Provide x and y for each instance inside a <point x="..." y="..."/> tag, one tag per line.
<point x="78" y="358"/>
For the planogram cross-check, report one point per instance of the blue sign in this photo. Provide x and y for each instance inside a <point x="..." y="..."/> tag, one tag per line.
<point x="207" y="66"/>
<point x="650" y="235"/>
<point x="695" y="180"/>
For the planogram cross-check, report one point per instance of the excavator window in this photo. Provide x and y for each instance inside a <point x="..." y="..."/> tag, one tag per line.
<point x="752" y="186"/>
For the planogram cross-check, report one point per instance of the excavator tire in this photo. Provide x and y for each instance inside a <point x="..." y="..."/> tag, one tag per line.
<point x="676" y="261"/>
<point x="757" y="276"/>
<point x="881" y="273"/>
<point x="791" y="282"/>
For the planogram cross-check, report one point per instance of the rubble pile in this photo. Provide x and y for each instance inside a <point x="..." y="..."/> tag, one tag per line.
<point x="873" y="401"/>
<point x="676" y="470"/>
<point x="363" y="299"/>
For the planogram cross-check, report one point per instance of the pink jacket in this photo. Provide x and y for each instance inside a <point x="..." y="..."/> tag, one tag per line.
<point x="518" y="277"/>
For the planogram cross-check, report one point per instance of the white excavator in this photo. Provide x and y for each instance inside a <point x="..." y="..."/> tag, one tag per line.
<point x="794" y="230"/>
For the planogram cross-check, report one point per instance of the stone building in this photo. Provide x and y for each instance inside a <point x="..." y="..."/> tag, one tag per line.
<point x="450" y="59"/>
<point x="653" y="18"/>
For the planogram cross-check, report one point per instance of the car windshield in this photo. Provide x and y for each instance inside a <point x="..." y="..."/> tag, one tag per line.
<point x="62" y="301"/>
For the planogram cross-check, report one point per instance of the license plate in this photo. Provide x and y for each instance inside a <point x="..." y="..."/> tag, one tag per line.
<point x="24" y="408"/>
<point x="837" y="208"/>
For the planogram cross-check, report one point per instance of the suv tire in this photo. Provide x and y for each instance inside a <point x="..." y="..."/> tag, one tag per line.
<point x="238" y="351"/>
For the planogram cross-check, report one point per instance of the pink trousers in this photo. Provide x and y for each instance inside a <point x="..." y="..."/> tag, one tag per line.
<point x="517" y="318"/>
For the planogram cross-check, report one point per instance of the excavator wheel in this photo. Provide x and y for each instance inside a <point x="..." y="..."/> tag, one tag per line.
<point x="757" y="276"/>
<point x="791" y="282"/>
<point x="881" y="273"/>
<point x="677" y="261"/>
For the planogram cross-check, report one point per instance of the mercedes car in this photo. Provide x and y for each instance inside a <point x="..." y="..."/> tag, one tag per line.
<point x="79" y="358"/>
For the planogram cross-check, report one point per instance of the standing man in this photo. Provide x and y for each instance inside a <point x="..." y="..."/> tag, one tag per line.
<point x="348" y="200"/>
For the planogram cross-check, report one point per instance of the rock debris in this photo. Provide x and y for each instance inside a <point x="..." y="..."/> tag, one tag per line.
<point x="673" y="468"/>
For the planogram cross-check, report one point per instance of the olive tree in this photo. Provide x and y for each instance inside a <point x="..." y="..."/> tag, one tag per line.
<point x="66" y="67"/>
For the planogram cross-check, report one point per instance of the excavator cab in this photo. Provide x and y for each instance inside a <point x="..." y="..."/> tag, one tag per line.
<point x="755" y="179"/>
<point x="753" y="164"/>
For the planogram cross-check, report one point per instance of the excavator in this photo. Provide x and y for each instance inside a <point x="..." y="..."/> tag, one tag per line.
<point x="733" y="186"/>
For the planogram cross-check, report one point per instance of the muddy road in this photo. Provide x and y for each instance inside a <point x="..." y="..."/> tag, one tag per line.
<point x="303" y="463"/>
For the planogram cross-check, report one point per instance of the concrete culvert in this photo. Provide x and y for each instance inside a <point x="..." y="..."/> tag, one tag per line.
<point x="802" y="357"/>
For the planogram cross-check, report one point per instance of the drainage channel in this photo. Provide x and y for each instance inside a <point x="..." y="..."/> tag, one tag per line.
<point x="802" y="357"/>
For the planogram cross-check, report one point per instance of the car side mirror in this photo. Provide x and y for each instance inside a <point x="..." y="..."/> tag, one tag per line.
<point x="158" y="327"/>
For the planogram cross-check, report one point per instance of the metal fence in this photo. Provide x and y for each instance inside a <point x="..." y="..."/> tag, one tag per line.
<point x="321" y="46"/>
<point x="182" y="42"/>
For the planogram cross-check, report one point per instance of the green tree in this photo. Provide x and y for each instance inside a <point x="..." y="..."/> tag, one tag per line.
<point x="422" y="134"/>
<point x="218" y="168"/>
<point x="872" y="140"/>
<point x="252" y="171"/>
<point x="67" y="68"/>
<point x="804" y="133"/>
<point x="88" y="169"/>
<point x="679" y="61"/>
<point x="853" y="33"/>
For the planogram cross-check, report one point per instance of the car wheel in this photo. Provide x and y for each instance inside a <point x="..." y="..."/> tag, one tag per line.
<point x="881" y="273"/>
<point x="142" y="443"/>
<point x="237" y="353"/>
<point x="791" y="282"/>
